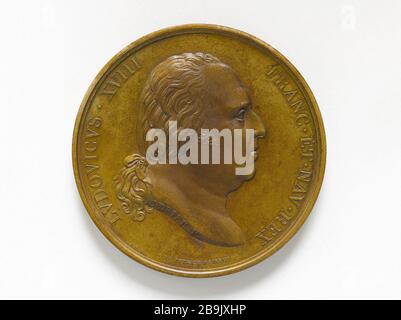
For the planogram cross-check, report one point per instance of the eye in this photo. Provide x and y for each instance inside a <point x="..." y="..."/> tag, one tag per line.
<point x="240" y="116"/>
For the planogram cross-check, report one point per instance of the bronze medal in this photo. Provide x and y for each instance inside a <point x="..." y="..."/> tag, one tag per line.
<point x="157" y="182"/>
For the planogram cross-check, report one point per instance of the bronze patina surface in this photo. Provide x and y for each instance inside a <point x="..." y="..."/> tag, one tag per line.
<point x="198" y="220"/>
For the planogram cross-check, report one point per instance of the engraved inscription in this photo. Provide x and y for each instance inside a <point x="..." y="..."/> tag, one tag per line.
<point x="92" y="168"/>
<point x="294" y="98"/>
<point x="297" y="103"/>
<point x="274" y="228"/>
<point x="119" y="76"/>
<point x="300" y="187"/>
<point x="307" y="148"/>
<point x="282" y="220"/>
<point x="202" y="262"/>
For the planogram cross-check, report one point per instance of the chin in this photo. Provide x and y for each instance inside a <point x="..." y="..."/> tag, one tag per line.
<point x="249" y="176"/>
<point x="241" y="179"/>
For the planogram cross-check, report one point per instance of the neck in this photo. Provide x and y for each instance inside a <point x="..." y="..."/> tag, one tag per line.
<point x="200" y="210"/>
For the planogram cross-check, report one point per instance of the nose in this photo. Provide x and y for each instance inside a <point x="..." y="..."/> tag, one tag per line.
<point x="257" y="124"/>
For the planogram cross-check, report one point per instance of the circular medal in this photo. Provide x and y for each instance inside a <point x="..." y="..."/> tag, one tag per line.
<point x="199" y="150"/>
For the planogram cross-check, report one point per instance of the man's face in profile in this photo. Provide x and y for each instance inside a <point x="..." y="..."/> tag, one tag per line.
<point x="195" y="91"/>
<point x="228" y="106"/>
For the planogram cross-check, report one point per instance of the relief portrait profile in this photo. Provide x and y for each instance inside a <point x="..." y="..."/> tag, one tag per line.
<point x="196" y="91"/>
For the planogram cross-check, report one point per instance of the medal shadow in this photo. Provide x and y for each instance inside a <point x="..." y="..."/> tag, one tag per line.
<point x="194" y="288"/>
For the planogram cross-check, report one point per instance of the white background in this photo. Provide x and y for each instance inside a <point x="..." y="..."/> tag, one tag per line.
<point x="348" y="51"/>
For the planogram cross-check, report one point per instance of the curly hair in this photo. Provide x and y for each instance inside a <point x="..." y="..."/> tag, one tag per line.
<point x="174" y="91"/>
<point x="132" y="189"/>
